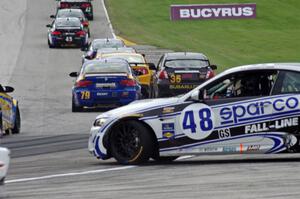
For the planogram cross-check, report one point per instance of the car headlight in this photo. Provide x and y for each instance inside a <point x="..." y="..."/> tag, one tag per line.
<point x="99" y="122"/>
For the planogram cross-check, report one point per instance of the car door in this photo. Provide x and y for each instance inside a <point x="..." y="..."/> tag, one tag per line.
<point x="229" y="106"/>
<point x="286" y="94"/>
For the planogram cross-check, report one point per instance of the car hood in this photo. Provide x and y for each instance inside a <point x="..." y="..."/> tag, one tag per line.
<point x="139" y="106"/>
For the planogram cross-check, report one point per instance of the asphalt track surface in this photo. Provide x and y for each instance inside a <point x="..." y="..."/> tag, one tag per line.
<point x="49" y="157"/>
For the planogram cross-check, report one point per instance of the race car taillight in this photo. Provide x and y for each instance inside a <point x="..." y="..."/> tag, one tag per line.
<point x="83" y="83"/>
<point x="56" y="33"/>
<point x="128" y="82"/>
<point x="85" y="23"/>
<point x="210" y="74"/>
<point x="64" y="5"/>
<point x="80" y="33"/>
<point x="85" y="5"/>
<point x="163" y="75"/>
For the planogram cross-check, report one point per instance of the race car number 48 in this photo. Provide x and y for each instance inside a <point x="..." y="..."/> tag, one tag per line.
<point x="197" y="121"/>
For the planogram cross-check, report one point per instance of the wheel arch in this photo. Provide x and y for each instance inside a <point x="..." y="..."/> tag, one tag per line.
<point x="130" y="118"/>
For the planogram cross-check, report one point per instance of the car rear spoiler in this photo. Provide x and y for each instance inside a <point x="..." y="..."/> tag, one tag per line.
<point x="151" y="65"/>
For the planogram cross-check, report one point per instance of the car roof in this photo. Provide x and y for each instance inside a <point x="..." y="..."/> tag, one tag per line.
<point x="124" y="53"/>
<point x="107" y="40"/>
<point x="106" y="60"/>
<point x="116" y="50"/>
<point x="266" y="66"/>
<point x="184" y="55"/>
<point x="75" y="1"/>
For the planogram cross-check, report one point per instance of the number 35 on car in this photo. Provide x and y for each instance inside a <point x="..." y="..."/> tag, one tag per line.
<point x="246" y="109"/>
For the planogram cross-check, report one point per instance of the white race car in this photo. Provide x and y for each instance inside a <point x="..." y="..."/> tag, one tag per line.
<point x="4" y="163"/>
<point x="246" y="109"/>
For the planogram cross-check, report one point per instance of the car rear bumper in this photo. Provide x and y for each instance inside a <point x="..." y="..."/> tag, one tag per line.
<point x="103" y="99"/>
<point x="169" y="90"/>
<point x="56" y="41"/>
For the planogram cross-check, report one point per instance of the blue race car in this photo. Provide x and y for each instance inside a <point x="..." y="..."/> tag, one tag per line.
<point x="104" y="83"/>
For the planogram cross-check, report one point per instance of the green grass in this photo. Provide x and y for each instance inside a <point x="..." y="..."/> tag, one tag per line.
<point x="274" y="36"/>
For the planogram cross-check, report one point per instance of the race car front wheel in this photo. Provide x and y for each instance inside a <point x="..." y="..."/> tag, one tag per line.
<point x="131" y="143"/>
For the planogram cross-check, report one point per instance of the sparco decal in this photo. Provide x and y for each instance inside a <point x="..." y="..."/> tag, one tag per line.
<point x="213" y="11"/>
<point x="260" y="110"/>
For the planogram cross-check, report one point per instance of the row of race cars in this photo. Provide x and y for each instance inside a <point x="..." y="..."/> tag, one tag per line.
<point x="247" y="109"/>
<point x="10" y="119"/>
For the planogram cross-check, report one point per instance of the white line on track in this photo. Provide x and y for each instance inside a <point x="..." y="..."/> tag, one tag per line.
<point x="68" y="174"/>
<point x="108" y="20"/>
<point x="80" y="173"/>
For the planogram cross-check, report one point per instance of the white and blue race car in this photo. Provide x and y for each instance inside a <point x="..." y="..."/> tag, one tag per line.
<point x="4" y="163"/>
<point x="246" y="109"/>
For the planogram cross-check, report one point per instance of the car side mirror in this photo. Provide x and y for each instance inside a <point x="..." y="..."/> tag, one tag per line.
<point x="197" y="95"/>
<point x="73" y="74"/>
<point x="48" y="26"/>
<point x="8" y="89"/>
<point x="213" y="67"/>
<point x="52" y="16"/>
<point x="152" y="66"/>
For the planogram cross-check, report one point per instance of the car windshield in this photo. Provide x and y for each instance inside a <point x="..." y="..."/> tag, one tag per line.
<point x="107" y="44"/>
<point x="62" y="22"/>
<point x="106" y="67"/>
<point x="186" y="63"/>
<point x="69" y="13"/>
<point x="136" y="58"/>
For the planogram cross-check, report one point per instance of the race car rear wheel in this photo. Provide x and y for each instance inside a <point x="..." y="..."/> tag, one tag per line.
<point x="76" y="108"/>
<point x="17" y="124"/>
<point x="131" y="143"/>
<point x="2" y="181"/>
<point x="50" y="45"/>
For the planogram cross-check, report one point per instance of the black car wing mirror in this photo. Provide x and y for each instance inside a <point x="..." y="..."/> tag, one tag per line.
<point x="213" y="67"/>
<point x="73" y="74"/>
<point x="152" y="66"/>
<point x="52" y="16"/>
<point x="48" y="26"/>
<point x="8" y="89"/>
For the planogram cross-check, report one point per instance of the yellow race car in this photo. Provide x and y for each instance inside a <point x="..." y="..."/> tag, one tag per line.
<point x="10" y="120"/>
<point x="143" y="70"/>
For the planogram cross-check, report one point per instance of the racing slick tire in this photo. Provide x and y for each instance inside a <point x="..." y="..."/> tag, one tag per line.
<point x="2" y="181"/>
<point x="50" y="45"/>
<point x="1" y="131"/>
<point x="76" y="108"/>
<point x="131" y="142"/>
<point x="17" y="123"/>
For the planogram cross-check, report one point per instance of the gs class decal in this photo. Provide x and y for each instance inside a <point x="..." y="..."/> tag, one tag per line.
<point x="197" y="121"/>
